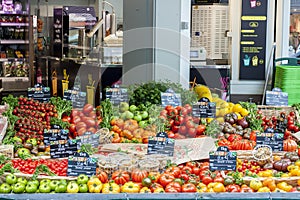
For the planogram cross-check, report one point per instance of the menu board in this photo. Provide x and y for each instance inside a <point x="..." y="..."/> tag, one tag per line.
<point x="81" y="163"/>
<point x="63" y="148"/>
<point x="253" y="39"/>
<point x="170" y="98"/>
<point x="204" y="108"/>
<point x="222" y="159"/>
<point x="77" y="98"/>
<point x="39" y="92"/>
<point x="90" y="138"/>
<point x="55" y="133"/>
<point x="117" y="95"/>
<point x="274" y="140"/>
<point x="161" y="144"/>
<point x="276" y="97"/>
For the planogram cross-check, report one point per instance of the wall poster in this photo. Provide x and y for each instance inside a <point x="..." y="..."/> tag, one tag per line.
<point x="253" y="39"/>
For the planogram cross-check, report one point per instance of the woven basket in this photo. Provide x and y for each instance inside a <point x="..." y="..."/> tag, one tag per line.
<point x="289" y="180"/>
<point x="269" y="111"/>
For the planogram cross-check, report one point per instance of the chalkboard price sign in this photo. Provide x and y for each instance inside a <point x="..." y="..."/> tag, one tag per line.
<point x="276" y="97"/>
<point x="78" y="98"/>
<point x="161" y="144"/>
<point x="170" y="98"/>
<point x="55" y="134"/>
<point x="90" y="138"/>
<point x="39" y="92"/>
<point x="63" y="148"/>
<point x="222" y="159"/>
<point x="81" y="163"/>
<point x="204" y="109"/>
<point x="274" y="140"/>
<point x="117" y="95"/>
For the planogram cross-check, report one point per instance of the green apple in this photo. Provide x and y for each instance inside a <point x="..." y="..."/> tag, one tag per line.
<point x="82" y="178"/>
<point x="5" y="188"/>
<point x="144" y="114"/>
<point x="133" y="108"/>
<point x="23" y="152"/>
<point x="11" y="179"/>
<point x="83" y="188"/>
<point x="72" y="187"/>
<point x="53" y="184"/>
<point x="36" y="182"/>
<point x="18" y="188"/>
<point x="45" y="181"/>
<point x="61" y="188"/>
<point x="45" y="188"/>
<point x="31" y="187"/>
<point x="124" y="106"/>
<point x="22" y="180"/>
<point x="17" y="139"/>
<point x="138" y="117"/>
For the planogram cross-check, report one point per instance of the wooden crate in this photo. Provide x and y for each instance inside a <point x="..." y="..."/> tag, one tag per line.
<point x="7" y="150"/>
<point x="269" y="111"/>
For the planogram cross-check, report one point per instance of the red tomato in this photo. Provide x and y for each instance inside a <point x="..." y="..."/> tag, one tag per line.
<point x="165" y="179"/>
<point x="120" y="177"/>
<point x="196" y="170"/>
<point x="188" y="107"/>
<point x="72" y="128"/>
<point x="192" y="132"/>
<point x="87" y="108"/>
<point x="173" y="187"/>
<point x="175" y="128"/>
<point x="186" y="170"/>
<point x="200" y="129"/>
<point x="175" y="171"/>
<point x="182" y="130"/>
<point x="190" y="124"/>
<point x="189" y="187"/>
<point x="76" y="119"/>
<point x="90" y="122"/>
<point x="206" y="180"/>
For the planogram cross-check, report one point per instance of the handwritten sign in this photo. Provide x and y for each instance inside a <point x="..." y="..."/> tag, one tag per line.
<point x="204" y="109"/>
<point x="274" y="140"/>
<point x="170" y="98"/>
<point x="54" y="134"/>
<point x="90" y="138"/>
<point x="161" y="144"/>
<point x="78" y="98"/>
<point x="222" y="159"/>
<point x="117" y="95"/>
<point x="276" y="97"/>
<point x="39" y="92"/>
<point x="81" y="163"/>
<point x="64" y="148"/>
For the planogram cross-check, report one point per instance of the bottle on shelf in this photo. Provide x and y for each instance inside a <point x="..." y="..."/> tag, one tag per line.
<point x="39" y="76"/>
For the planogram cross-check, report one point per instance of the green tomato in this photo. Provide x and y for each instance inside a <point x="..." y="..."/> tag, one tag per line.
<point x="31" y="188"/>
<point x="144" y="114"/>
<point x="36" y="182"/>
<point x="133" y="108"/>
<point x="5" y="188"/>
<point x="11" y="179"/>
<point x="83" y="188"/>
<point x="45" y="181"/>
<point x="53" y="184"/>
<point x="45" y="188"/>
<point x="138" y="118"/>
<point x="143" y="124"/>
<point x="18" y="188"/>
<point x="22" y="180"/>
<point x="82" y="178"/>
<point x="124" y="106"/>
<point x="61" y="188"/>
<point x="72" y="187"/>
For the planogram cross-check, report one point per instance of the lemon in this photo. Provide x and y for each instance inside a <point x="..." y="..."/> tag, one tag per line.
<point x="244" y="112"/>
<point x="237" y="108"/>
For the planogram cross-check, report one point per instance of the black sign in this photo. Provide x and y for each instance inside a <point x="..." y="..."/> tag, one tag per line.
<point x="276" y="97"/>
<point x="39" y="92"/>
<point x="222" y="159"/>
<point x="54" y="134"/>
<point x="63" y="148"/>
<point x="204" y="109"/>
<point x="57" y="31"/>
<point x="274" y="140"/>
<point x="81" y="163"/>
<point x="78" y="98"/>
<point x="117" y="95"/>
<point x="170" y="98"/>
<point x="161" y="144"/>
<point x="253" y="39"/>
<point x="90" y="138"/>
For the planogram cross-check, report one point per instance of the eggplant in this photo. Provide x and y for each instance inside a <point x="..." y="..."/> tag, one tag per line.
<point x="229" y="119"/>
<point x="282" y="165"/>
<point x="243" y="123"/>
<point x="238" y="128"/>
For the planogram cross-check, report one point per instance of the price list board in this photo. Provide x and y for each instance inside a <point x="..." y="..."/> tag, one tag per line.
<point x="222" y="159"/>
<point x="81" y="163"/>
<point x="274" y="140"/>
<point x="78" y="98"/>
<point x="54" y="134"/>
<point x="204" y="109"/>
<point x="90" y="138"/>
<point x="161" y="144"/>
<point x="64" y="148"/>
<point x="117" y="95"/>
<point x="170" y="98"/>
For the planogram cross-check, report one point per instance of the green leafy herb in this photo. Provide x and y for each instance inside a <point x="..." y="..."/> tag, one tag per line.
<point x="253" y="118"/>
<point x="7" y="168"/>
<point x="61" y="123"/>
<point x="106" y="111"/>
<point x="11" y="101"/>
<point x="41" y="169"/>
<point x="88" y="148"/>
<point x="62" y="106"/>
<point x="4" y="159"/>
<point x="213" y="129"/>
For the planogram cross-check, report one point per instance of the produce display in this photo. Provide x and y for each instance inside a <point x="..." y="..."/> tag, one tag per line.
<point x="263" y="145"/>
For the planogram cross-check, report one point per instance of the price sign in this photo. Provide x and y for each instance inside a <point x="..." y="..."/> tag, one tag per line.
<point x="117" y="95"/>
<point x="64" y="148"/>
<point x="54" y="134"/>
<point x="170" y="98"/>
<point x="78" y="98"/>
<point x="39" y="92"/>
<point x="276" y="97"/>
<point x="204" y="109"/>
<point x="161" y="144"/>
<point x="81" y="163"/>
<point x="90" y="138"/>
<point x="222" y="159"/>
<point x="274" y="140"/>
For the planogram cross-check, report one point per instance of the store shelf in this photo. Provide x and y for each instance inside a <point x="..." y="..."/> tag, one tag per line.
<point x="12" y="59"/>
<point x="13" y="24"/>
<point x="13" y="12"/>
<point x="14" y="41"/>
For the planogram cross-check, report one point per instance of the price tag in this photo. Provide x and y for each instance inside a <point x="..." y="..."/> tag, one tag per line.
<point x="222" y="159"/>
<point x="81" y="163"/>
<point x="204" y="109"/>
<point x="274" y="140"/>
<point x="64" y="148"/>
<point x="78" y="98"/>
<point x="55" y="134"/>
<point x="90" y="138"/>
<point x="161" y="144"/>
<point x="276" y="97"/>
<point x="39" y="92"/>
<point x="170" y="98"/>
<point x="117" y="95"/>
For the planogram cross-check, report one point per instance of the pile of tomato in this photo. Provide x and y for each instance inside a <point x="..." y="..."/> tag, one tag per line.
<point x="28" y="166"/>
<point x="180" y="122"/>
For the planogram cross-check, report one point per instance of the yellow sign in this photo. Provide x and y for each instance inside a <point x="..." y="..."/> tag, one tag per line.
<point x="254" y="18"/>
<point x="248" y="31"/>
<point x="247" y="42"/>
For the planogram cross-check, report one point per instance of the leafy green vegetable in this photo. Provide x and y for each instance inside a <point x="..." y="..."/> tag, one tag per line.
<point x="7" y="168"/>
<point x="253" y="119"/>
<point x="61" y="123"/>
<point x="106" y="110"/>
<point x="213" y="129"/>
<point x="42" y="169"/>
<point x="62" y="106"/>
<point x="11" y="101"/>
<point x="88" y="148"/>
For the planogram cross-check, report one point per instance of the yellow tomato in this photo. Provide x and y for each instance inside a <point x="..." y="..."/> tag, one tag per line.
<point x="159" y="190"/>
<point x="297" y="163"/>
<point x="237" y="108"/>
<point x="255" y="184"/>
<point x="292" y="167"/>
<point x="266" y="173"/>
<point x="244" y="112"/>
<point x="211" y="190"/>
<point x="284" y="186"/>
<point x="298" y="182"/>
<point x="219" y="187"/>
<point x="264" y="189"/>
<point x="284" y="175"/>
<point x="211" y="185"/>
<point x="145" y="190"/>
<point x="201" y="187"/>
